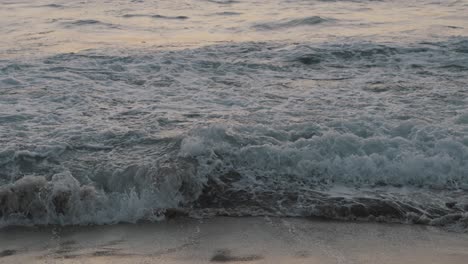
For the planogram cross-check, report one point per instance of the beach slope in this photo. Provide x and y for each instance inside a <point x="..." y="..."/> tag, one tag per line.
<point x="235" y="240"/>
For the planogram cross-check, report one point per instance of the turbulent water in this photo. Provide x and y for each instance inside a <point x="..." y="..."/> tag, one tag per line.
<point x="121" y="111"/>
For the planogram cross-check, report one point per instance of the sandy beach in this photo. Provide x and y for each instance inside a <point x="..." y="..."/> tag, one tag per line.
<point x="236" y="240"/>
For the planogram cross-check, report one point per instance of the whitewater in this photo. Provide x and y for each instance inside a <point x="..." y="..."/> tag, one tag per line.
<point x="126" y="111"/>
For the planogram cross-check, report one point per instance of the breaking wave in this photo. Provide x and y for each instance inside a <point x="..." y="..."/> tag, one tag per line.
<point x="365" y="131"/>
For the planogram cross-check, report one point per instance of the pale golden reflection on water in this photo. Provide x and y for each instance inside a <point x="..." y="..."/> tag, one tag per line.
<point x="47" y="26"/>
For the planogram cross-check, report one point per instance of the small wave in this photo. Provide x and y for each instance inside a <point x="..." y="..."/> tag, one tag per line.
<point x="87" y="22"/>
<point x="224" y="2"/>
<point x="156" y="16"/>
<point x="307" y="21"/>
<point x="54" y="6"/>
<point x="228" y="13"/>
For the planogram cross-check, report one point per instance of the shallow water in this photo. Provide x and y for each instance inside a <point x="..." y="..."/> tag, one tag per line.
<point x="114" y="111"/>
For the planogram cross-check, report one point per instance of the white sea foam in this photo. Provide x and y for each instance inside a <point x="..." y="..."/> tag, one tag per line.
<point x="424" y="156"/>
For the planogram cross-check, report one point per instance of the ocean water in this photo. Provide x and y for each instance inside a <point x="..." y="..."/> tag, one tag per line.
<point x="124" y="111"/>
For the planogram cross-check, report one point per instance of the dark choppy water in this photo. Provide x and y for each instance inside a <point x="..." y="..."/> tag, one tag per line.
<point x="116" y="110"/>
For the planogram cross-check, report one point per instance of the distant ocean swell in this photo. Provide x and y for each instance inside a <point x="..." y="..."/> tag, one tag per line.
<point x="358" y="131"/>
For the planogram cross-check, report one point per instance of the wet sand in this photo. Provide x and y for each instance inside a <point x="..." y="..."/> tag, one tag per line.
<point x="235" y="240"/>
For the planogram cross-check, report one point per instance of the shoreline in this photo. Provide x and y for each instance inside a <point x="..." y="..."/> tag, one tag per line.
<point x="236" y="240"/>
